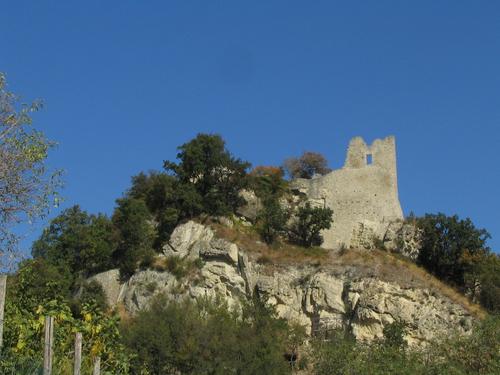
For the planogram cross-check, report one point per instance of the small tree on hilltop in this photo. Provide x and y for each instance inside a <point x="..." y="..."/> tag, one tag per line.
<point x="267" y="181"/>
<point x="309" y="223"/>
<point x="272" y="219"/>
<point x="216" y="175"/>
<point x="306" y="166"/>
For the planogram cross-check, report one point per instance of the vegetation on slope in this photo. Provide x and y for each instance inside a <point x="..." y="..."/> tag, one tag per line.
<point x="207" y="338"/>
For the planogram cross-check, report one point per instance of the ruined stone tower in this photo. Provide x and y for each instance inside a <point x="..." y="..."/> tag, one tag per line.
<point x="363" y="194"/>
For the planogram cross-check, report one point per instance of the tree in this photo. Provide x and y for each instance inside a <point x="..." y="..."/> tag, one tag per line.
<point x="136" y="234"/>
<point x="167" y="199"/>
<point x="489" y="283"/>
<point x="307" y="165"/>
<point x="77" y="243"/>
<point x="309" y="223"/>
<point x="450" y="245"/>
<point x="216" y="175"/>
<point x="27" y="187"/>
<point x="267" y="181"/>
<point x="272" y="219"/>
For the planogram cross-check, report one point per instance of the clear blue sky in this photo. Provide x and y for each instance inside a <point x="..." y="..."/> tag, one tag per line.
<point x="125" y="82"/>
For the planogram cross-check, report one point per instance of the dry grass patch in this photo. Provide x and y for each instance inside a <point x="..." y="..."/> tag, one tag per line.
<point x="279" y="253"/>
<point x="380" y="264"/>
<point x="394" y="268"/>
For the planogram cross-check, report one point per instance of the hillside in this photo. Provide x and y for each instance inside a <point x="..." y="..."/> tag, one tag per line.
<point x="318" y="289"/>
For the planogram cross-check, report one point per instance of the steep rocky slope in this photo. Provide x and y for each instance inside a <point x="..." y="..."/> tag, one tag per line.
<point x="357" y="290"/>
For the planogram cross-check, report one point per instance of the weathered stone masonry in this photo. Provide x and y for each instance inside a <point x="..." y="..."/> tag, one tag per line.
<point x="363" y="194"/>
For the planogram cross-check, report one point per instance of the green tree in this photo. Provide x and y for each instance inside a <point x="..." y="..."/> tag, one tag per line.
<point x="27" y="187"/>
<point x="216" y="175"/>
<point x="136" y="233"/>
<point x="77" y="242"/>
<point x="206" y="337"/>
<point x="310" y="221"/>
<point x="267" y="182"/>
<point x="272" y="219"/>
<point x="446" y="239"/>
<point x="168" y="200"/>
<point x="489" y="283"/>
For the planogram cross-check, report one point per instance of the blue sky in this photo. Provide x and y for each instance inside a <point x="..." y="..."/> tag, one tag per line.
<point x="126" y="82"/>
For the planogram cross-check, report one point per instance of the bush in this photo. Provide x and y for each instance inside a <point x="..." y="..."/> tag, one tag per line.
<point x="308" y="225"/>
<point x="478" y="353"/>
<point x="271" y="221"/>
<point x="207" y="338"/>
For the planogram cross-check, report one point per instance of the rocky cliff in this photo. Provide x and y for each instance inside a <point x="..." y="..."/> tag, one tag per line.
<point x="357" y="290"/>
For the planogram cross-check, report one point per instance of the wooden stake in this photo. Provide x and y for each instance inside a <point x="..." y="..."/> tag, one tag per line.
<point x="97" y="366"/>
<point x="49" y="338"/>
<point x="3" y="291"/>
<point x="78" y="354"/>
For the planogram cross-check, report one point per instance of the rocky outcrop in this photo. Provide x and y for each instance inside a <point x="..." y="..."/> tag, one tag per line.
<point x="251" y="208"/>
<point x="111" y="285"/>
<point x="319" y="298"/>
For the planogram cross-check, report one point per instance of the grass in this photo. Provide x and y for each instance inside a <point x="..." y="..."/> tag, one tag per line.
<point x="279" y="253"/>
<point x="381" y="264"/>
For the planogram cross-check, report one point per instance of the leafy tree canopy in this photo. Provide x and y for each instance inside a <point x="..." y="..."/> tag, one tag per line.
<point x="216" y="175"/>
<point x="77" y="242"/>
<point x="309" y="223"/>
<point x="449" y="246"/>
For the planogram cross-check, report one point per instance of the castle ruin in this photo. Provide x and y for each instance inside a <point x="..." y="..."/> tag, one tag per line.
<point x="363" y="194"/>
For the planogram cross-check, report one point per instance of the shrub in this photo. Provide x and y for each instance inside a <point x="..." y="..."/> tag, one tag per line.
<point x="271" y="221"/>
<point x="206" y="337"/>
<point x="309" y="223"/>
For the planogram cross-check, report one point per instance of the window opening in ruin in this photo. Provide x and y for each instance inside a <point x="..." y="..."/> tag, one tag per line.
<point x="369" y="159"/>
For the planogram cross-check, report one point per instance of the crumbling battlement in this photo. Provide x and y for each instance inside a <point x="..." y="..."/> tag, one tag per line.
<point x="363" y="194"/>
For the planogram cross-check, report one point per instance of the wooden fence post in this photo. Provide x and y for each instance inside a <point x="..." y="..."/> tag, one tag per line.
<point x="97" y="366"/>
<point x="78" y="354"/>
<point x="3" y="291"/>
<point x="49" y="341"/>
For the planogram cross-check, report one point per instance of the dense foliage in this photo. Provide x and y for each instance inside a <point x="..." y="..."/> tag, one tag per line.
<point x="77" y="243"/>
<point x="306" y="230"/>
<point x="479" y="353"/>
<point x="455" y="251"/>
<point x="209" y="338"/>
<point x="216" y="176"/>
<point x="38" y="290"/>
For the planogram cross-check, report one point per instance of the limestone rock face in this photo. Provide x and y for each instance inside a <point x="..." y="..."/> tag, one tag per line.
<point x="403" y="237"/>
<point x="317" y="298"/>
<point x="186" y="240"/>
<point x="111" y="285"/>
<point x="253" y="205"/>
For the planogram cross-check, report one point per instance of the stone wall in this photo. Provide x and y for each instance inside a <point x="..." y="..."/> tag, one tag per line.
<point x="364" y="193"/>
